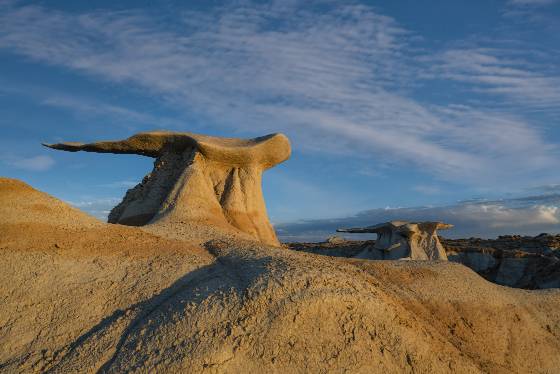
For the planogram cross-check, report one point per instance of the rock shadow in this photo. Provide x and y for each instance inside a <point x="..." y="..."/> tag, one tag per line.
<point x="99" y="347"/>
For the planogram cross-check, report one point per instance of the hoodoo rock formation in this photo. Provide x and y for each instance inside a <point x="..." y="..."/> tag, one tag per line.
<point x="404" y="240"/>
<point x="197" y="179"/>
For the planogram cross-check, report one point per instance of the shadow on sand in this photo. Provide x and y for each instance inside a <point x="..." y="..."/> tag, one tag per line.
<point x="100" y="346"/>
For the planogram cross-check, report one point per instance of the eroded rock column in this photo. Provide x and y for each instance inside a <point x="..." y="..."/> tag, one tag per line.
<point x="197" y="179"/>
<point x="404" y="240"/>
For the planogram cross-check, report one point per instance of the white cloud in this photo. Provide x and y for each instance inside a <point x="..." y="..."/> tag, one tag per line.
<point x="35" y="163"/>
<point x="478" y="219"/>
<point x="336" y="81"/>
<point x="501" y="72"/>
<point x="83" y="105"/>
<point x="87" y="106"/>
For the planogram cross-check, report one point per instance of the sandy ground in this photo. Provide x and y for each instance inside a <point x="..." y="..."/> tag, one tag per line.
<point x="78" y="295"/>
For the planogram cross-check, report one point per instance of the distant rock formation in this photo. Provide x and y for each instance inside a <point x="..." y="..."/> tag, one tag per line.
<point x="530" y="262"/>
<point x="403" y="240"/>
<point x="197" y="179"/>
<point x="511" y="260"/>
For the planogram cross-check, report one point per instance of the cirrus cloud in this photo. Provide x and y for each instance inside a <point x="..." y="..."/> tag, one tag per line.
<point x="485" y="219"/>
<point x="339" y="80"/>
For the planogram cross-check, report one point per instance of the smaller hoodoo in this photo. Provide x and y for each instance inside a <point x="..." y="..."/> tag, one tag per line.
<point x="404" y="240"/>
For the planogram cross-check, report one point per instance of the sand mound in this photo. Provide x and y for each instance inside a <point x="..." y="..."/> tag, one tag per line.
<point x="20" y="202"/>
<point x="62" y="271"/>
<point x="240" y="306"/>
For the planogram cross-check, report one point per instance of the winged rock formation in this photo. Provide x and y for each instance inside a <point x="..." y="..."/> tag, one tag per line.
<point x="404" y="240"/>
<point x="197" y="179"/>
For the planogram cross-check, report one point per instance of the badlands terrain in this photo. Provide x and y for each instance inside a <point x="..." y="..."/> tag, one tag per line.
<point x="201" y="283"/>
<point x="79" y="295"/>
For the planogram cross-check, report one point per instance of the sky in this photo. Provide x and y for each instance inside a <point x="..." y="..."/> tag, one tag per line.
<point x="419" y="110"/>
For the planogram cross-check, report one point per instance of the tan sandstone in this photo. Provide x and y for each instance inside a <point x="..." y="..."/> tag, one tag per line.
<point x="197" y="182"/>
<point x="81" y="296"/>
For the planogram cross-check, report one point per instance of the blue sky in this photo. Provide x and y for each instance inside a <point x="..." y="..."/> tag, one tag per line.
<point x="392" y="107"/>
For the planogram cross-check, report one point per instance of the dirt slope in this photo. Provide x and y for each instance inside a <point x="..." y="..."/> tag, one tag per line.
<point x="94" y="297"/>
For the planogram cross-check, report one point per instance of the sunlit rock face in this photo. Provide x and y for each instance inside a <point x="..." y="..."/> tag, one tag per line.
<point x="206" y="180"/>
<point x="403" y="240"/>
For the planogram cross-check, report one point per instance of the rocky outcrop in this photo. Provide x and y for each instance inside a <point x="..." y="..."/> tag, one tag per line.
<point x="478" y="261"/>
<point x="197" y="179"/>
<point x="515" y="261"/>
<point x="543" y="244"/>
<point x="403" y="240"/>
<point x="512" y="261"/>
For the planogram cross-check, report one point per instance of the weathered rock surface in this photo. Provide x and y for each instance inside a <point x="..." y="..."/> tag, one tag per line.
<point x="478" y="261"/>
<point x="514" y="261"/>
<point x="197" y="180"/>
<point x="403" y="240"/>
<point x="113" y="299"/>
<point x="542" y="244"/>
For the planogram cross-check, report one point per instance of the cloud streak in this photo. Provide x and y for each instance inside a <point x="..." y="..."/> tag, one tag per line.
<point x="487" y="219"/>
<point x="82" y="105"/>
<point x="34" y="163"/>
<point x="98" y="207"/>
<point x="339" y="81"/>
<point x="502" y="73"/>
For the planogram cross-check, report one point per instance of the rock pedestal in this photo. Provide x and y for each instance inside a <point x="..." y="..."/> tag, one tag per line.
<point x="404" y="240"/>
<point x="197" y="179"/>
